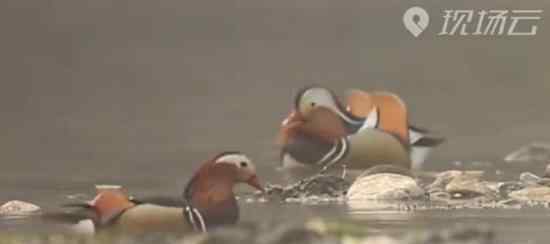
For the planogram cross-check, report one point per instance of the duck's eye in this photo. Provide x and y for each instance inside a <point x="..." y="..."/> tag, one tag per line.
<point x="313" y="104"/>
<point x="244" y="164"/>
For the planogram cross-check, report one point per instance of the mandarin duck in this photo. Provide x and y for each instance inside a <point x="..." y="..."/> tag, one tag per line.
<point x="381" y="110"/>
<point x="208" y="202"/>
<point x="320" y="139"/>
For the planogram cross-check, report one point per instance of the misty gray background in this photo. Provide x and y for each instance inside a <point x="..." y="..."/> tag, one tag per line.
<point x="140" y="92"/>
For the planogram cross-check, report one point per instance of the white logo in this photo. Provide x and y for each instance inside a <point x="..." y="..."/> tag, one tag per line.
<point x="469" y="22"/>
<point x="416" y="20"/>
<point x="494" y="22"/>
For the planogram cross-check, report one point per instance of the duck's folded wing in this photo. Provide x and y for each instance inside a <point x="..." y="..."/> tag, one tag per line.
<point x="167" y="207"/>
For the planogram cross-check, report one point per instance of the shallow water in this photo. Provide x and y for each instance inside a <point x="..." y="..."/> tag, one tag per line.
<point x="139" y="93"/>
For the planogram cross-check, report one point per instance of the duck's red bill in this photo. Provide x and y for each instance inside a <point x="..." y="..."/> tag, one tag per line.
<point x="254" y="182"/>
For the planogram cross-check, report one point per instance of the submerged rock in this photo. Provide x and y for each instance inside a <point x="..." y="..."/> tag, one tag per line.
<point x="463" y="235"/>
<point x="18" y="208"/>
<point x="536" y="152"/>
<point x="384" y="186"/>
<point x="260" y="233"/>
<point x="354" y="232"/>
<point x="529" y="178"/>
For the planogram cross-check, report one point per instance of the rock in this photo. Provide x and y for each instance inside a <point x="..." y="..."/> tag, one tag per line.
<point x="18" y="208"/>
<point x="469" y="186"/>
<point x="538" y="152"/>
<point x="529" y="178"/>
<point x="442" y="179"/>
<point x="532" y="193"/>
<point x="505" y="188"/>
<point x="384" y="186"/>
<point x="460" y="184"/>
<point x="319" y="186"/>
<point x="263" y="233"/>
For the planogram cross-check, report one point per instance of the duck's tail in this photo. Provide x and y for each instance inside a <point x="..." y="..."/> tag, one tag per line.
<point x="422" y="143"/>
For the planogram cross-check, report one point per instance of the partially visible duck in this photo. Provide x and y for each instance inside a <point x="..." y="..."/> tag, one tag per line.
<point x="320" y="139"/>
<point x="382" y="110"/>
<point x="208" y="202"/>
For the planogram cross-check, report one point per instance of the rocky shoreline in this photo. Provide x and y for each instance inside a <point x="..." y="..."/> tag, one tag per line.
<point x="445" y="190"/>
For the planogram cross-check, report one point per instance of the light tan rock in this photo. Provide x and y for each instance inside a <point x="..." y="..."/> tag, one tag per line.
<point x="469" y="184"/>
<point x="385" y="186"/>
<point x="534" y="193"/>
<point x="15" y="207"/>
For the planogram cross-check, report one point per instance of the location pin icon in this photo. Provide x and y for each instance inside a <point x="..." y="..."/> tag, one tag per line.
<point x="416" y="20"/>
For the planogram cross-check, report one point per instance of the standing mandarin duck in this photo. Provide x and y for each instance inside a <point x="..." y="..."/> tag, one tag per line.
<point x="208" y="202"/>
<point x="381" y="110"/>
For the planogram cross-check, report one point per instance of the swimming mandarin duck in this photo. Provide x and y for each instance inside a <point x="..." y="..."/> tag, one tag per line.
<point x="208" y="202"/>
<point x="374" y="127"/>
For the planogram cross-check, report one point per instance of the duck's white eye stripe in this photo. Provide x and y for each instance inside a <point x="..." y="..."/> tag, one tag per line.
<point x="233" y="158"/>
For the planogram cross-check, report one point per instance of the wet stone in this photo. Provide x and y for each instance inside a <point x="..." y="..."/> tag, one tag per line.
<point x="470" y="186"/>
<point x="18" y="208"/>
<point x="505" y="188"/>
<point x="532" y="194"/>
<point x="385" y="186"/>
<point x="536" y="152"/>
<point x="529" y="178"/>
<point x="442" y="180"/>
<point x="326" y="186"/>
<point x="463" y="186"/>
